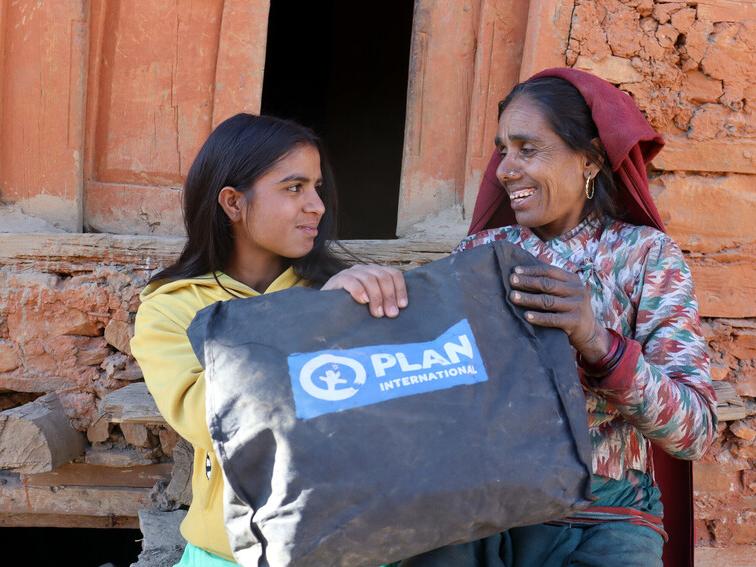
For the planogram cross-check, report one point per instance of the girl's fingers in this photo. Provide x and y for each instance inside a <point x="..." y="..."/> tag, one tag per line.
<point x="355" y="289"/>
<point x="393" y="290"/>
<point x="381" y="287"/>
<point x="544" y="302"/>
<point x="373" y="290"/>
<point x="402" y="299"/>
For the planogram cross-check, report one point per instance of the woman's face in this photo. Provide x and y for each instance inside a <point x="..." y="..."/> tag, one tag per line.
<point x="284" y="207"/>
<point x="544" y="178"/>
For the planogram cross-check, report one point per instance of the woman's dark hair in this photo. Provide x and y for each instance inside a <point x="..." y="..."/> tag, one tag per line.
<point x="569" y="116"/>
<point x="236" y="154"/>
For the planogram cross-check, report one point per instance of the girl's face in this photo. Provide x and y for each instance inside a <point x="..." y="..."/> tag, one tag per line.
<point x="283" y="208"/>
<point x="543" y="176"/>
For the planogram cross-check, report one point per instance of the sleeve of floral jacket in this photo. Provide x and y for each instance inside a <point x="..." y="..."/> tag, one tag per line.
<point x="662" y="385"/>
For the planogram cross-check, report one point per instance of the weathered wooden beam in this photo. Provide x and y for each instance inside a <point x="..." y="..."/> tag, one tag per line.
<point x="66" y="521"/>
<point x="81" y="252"/>
<point x="80" y="474"/>
<point x="723" y="286"/>
<point x="73" y="253"/>
<point x="17" y="498"/>
<point x="37" y="437"/>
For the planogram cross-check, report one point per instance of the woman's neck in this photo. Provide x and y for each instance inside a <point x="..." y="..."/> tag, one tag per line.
<point x="256" y="272"/>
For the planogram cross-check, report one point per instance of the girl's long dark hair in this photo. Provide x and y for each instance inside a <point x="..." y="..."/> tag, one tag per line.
<point x="237" y="153"/>
<point x="570" y="117"/>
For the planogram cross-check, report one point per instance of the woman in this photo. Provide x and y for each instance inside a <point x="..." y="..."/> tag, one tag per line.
<point x="568" y="184"/>
<point x="259" y="209"/>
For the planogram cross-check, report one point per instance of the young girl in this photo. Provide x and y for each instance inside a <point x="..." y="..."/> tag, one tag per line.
<point x="259" y="209"/>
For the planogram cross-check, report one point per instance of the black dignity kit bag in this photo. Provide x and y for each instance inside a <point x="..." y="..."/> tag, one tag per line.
<point x="347" y="440"/>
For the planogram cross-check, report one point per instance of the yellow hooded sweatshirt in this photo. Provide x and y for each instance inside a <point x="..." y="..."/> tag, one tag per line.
<point x="176" y="380"/>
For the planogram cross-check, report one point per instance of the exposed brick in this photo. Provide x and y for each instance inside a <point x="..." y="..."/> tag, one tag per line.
<point x="749" y="481"/>
<point x="136" y="434"/>
<point x="699" y="88"/>
<point x="713" y="478"/>
<point x="663" y="11"/>
<point x="99" y="431"/>
<point x="8" y="356"/>
<point x="168" y="440"/>
<point x="744" y="344"/>
<point x="719" y="372"/>
<point x="733" y="556"/>
<point x="743" y="430"/>
<point x="667" y="35"/>
<point x="613" y="69"/>
<point x="743" y="528"/>
<point x="707" y="213"/>
<point x="683" y="19"/>
<point x="118" y="334"/>
<point x="745" y="382"/>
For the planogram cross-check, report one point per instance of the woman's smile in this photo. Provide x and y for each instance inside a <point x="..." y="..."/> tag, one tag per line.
<point x="522" y="198"/>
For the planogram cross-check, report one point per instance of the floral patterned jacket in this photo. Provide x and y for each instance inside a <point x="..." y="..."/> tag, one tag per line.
<point x="641" y="287"/>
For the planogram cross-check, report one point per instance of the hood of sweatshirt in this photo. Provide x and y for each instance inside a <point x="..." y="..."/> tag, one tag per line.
<point x="286" y="280"/>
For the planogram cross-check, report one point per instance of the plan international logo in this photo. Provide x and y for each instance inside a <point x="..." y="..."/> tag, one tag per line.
<point x="335" y="380"/>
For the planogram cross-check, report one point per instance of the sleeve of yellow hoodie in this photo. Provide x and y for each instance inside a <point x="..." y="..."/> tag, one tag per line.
<point x="171" y="370"/>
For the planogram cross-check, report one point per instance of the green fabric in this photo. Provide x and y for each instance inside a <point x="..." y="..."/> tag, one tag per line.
<point x="637" y="490"/>
<point x="197" y="557"/>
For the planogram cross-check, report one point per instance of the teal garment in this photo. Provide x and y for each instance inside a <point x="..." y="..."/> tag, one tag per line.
<point x="637" y="490"/>
<point x="611" y="544"/>
<point x="197" y="557"/>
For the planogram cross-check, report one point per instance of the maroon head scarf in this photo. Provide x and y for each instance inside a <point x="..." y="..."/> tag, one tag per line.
<point x="628" y="139"/>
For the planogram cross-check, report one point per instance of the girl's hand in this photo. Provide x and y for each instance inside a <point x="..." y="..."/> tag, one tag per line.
<point x="380" y="286"/>
<point x="556" y="298"/>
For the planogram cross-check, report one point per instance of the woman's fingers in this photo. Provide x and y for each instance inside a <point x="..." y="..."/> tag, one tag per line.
<point x="556" y="298"/>
<point x="558" y="320"/>
<point x="542" y="270"/>
<point x="544" y="302"/>
<point x="541" y="284"/>
<point x="546" y="279"/>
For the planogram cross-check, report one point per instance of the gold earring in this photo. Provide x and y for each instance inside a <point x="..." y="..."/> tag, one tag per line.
<point x="589" y="191"/>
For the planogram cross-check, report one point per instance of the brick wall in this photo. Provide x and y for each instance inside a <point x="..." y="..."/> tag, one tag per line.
<point x="690" y="67"/>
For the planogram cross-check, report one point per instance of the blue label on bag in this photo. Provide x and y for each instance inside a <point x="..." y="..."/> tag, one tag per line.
<point x="328" y="381"/>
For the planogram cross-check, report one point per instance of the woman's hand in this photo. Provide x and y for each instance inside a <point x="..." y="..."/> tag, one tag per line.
<point x="380" y="286"/>
<point x="556" y="298"/>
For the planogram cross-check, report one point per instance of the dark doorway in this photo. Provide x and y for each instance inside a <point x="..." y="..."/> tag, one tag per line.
<point x="83" y="547"/>
<point x="341" y="68"/>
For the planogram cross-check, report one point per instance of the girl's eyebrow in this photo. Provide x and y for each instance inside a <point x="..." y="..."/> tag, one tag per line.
<point x="299" y="178"/>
